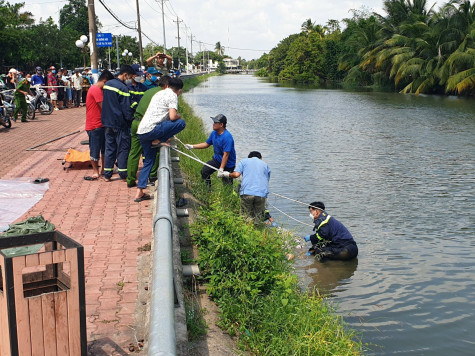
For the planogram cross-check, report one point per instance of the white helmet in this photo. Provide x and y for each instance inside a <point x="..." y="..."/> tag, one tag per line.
<point x="13" y="70"/>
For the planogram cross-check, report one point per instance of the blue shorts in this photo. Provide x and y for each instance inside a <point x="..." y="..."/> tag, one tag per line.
<point x="97" y="143"/>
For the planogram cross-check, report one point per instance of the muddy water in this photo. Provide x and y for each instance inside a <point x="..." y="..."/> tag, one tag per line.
<point x="399" y="172"/>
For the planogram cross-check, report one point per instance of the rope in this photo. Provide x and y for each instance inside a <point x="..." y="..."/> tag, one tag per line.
<point x="279" y="195"/>
<point x="185" y="147"/>
<point x="280" y="211"/>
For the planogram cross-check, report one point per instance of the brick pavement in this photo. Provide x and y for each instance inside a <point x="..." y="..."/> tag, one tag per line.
<point x="101" y="216"/>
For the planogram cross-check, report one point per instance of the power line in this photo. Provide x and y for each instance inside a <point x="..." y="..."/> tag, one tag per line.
<point x="115" y="16"/>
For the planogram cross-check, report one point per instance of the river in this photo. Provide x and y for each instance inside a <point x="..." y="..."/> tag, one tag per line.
<point x="399" y="171"/>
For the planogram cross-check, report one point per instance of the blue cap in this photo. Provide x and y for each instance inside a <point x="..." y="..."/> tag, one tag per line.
<point x="152" y="70"/>
<point x="136" y="67"/>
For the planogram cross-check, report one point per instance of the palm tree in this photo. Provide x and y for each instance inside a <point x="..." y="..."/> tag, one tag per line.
<point x="219" y="49"/>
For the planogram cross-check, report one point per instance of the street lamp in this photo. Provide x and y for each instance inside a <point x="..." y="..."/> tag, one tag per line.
<point x="126" y="54"/>
<point x="81" y="44"/>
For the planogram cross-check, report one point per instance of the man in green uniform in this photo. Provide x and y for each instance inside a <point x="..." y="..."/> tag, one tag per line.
<point x="135" y="146"/>
<point x="22" y="89"/>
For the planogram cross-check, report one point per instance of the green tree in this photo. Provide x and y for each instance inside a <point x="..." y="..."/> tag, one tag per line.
<point x="219" y="49"/>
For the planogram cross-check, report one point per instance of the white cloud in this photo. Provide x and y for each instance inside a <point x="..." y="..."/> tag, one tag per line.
<point x="252" y="24"/>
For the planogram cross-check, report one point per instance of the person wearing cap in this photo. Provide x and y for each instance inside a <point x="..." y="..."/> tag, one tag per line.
<point x="160" y="122"/>
<point x="52" y="86"/>
<point x="12" y="78"/>
<point x="22" y="89"/>
<point x="37" y="79"/>
<point x="151" y="77"/>
<point x="224" y="158"/>
<point x="136" y="88"/>
<point x="331" y="239"/>
<point x="116" y="117"/>
<point x="136" y="149"/>
<point x="254" y="186"/>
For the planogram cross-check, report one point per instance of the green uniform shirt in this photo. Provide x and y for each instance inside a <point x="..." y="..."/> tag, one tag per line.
<point x="23" y="85"/>
<point x="144" y="103"/>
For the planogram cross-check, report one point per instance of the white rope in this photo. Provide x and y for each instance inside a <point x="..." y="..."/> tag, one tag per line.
<point x="301" y="222"/>
<point x="185" y="146"/>
<point x="279" y="195"/>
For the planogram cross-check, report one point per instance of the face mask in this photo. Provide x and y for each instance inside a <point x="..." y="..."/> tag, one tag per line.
<point x="311" y="216"/>
<point x="128" y="81"/>
<point x="54" y="72"/>
<point x="139" y="79"/>
<point x="29" y="79"/>
<point x="153" y="78"/>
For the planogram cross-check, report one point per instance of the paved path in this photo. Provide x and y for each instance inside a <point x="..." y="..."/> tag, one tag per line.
<point x="101" y="216"/>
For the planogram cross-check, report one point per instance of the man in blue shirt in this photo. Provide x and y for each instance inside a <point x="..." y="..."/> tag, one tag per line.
<point x="224" y="156"/>
<point x="254" y="186"/>
<point x="37" y="78"/>
<point x="331" y="239"/>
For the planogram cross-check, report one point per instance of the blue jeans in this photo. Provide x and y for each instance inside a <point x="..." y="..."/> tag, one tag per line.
<point x="163" y="131"/>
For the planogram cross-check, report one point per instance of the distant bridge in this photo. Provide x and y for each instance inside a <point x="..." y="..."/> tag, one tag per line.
<point x="240" y="71"/>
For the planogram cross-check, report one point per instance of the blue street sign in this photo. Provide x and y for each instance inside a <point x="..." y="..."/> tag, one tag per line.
<point x="104" y="39"/>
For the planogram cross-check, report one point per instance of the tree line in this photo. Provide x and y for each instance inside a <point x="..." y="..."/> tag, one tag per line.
<point x="413" y="49"/>
<point x="25" y="44"/>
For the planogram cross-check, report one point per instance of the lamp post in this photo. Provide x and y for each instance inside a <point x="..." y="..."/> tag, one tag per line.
<point x="126" y="54"/>
<point x="81" y="44"/>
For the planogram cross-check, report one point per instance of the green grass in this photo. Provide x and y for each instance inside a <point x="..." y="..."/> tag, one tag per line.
<point x="247" y="274"/>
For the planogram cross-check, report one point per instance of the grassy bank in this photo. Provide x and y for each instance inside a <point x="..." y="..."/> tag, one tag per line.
<point x="248" y="276"/>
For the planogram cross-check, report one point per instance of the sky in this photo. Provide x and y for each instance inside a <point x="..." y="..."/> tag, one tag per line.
<point x="246" y="28"/>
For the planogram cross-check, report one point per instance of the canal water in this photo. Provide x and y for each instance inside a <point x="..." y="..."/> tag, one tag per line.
<point x="399" y="171"/>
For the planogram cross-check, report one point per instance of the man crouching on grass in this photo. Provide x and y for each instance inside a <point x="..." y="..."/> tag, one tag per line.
<point x="160" y="122"/>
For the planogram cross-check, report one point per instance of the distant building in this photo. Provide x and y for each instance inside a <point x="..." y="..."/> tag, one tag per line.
<point x="231" y="63"/>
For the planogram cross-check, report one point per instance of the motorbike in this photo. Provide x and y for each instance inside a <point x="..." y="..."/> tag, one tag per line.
<point x="4" y="116"/>
<point x="40" y="101"/>
<point x="9" y="104"/>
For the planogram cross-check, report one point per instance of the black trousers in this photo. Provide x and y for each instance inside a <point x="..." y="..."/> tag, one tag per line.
<point x="206" y="172"/>
<point x="77" y="97"/>
<point x="342" y="253"/>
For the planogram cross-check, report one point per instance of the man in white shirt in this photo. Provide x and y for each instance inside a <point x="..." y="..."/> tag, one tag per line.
<point x="160" y="122"/>
<point x="77" y="86"/>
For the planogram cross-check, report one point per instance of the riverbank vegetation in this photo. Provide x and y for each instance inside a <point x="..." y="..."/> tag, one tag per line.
<point x="413" y="48"/>
<point x="248" y="275"/>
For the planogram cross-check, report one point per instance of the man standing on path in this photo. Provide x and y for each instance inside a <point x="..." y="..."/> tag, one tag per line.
<point x="94" y="128"/>
<point x="136" y="88"/>
<point x="254" y="186"/>
<point x="160" y="122"/>
<point x="77" y="88"/>
<point x="22" y="89"/>
<point x="52" y="86"/>
<point x="135" y="146"/>
<point x="224" y="156"/>
<point x="116" y="117"/>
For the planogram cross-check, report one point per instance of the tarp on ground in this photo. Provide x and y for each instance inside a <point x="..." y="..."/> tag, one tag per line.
<point x="17" y="196"/>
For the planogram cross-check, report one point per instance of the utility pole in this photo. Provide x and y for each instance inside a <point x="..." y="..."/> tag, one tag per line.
<point x="163" y="25"/>
<point x="117" y="46"/>
<point x="92" y="36"/>
<point x="178" y="29"/>
<point x="186" y="47"/>
<point x="140" y="33"/>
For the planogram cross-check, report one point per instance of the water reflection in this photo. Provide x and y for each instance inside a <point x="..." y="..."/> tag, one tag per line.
<point x="326" y="277"/>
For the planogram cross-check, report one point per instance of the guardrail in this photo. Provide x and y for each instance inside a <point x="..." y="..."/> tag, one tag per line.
<point x="162" y="339"/>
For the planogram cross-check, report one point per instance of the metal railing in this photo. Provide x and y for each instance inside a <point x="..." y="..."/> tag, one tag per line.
<point x="162" y="339"/>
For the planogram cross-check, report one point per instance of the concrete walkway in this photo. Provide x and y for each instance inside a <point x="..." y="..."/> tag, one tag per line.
<point x="101" y="216"/>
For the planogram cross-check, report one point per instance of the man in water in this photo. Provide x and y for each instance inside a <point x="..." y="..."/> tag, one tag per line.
<point x="331" y="239"/>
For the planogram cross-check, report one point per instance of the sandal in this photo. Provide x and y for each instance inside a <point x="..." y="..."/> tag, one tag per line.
<point x="90" y="178"/>
<point x="40" y="180"/>
<point x="142" y="198"/>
